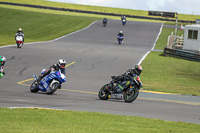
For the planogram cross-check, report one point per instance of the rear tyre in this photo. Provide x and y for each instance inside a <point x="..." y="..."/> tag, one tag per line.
<point x="33" y="87"/>
<point x="103" y="93"/>
<point x="53" y="88"/>
<point x="131" y="94"/>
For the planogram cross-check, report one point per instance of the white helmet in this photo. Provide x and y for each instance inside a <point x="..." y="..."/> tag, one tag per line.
<point x="62" y="63"/>
<point x="121" y="32"/>
<point x="20" y="29"/>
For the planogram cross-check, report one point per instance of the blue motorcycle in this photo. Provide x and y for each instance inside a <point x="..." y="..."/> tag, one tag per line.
<point x="120" y="39"/>
<point x="123" y="21"/>
<point x="49" y="83"/>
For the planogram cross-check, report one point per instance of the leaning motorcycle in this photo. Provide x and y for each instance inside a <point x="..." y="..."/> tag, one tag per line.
<point x="49" y="83"/>
<point x="19" y="40"/>
<point x="128" y="89"/>
<point x="120" y="39"/>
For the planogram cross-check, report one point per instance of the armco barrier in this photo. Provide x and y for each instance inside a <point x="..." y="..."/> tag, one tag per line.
<point x="93" y="12"/>
<point x="188" y="55"/>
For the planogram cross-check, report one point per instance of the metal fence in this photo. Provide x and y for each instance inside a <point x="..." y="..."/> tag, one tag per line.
<point x="188" y="55"/>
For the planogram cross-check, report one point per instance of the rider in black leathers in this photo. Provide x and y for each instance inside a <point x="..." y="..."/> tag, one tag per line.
<point x="131" y="72"/>
<point x="105" y="21"/>
<point x="120" y="34"/>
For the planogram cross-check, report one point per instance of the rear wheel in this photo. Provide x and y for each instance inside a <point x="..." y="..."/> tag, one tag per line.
<point x="53" y="88"/>
<point x="33" y="87"/>
<point x="131" y="94"/>
<point x="103" y="92"/>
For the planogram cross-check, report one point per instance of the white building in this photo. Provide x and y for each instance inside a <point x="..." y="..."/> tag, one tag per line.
<point x="191" y="37"/>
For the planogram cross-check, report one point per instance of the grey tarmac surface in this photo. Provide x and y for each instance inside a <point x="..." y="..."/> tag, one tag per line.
<point x="93" y="56"/>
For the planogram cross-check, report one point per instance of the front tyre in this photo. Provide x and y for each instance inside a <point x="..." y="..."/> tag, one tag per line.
<point x="119" y="41"/>
<point x="131" y="94"/>
<point x="103" y="92"/>
<point x="33" y="87"/>
<point x="53" y="88"/>
<point x="18" y="45"/>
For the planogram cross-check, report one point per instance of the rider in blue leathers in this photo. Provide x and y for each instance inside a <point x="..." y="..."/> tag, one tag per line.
<point x="56" y="67"/>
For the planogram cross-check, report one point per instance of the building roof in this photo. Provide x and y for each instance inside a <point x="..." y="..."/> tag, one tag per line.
<point x="193" y="26"/>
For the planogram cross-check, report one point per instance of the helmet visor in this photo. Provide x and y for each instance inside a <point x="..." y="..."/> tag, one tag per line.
<point x="62" y="65"/>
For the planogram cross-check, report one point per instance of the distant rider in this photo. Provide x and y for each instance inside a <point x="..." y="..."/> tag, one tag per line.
<point x="120" y="34"/>
<point x="2" y="63"/>
<point x="19" y="32"/>
<point x="133" y="72"/>
<point x="105" y="21"/>
<point x="56" y="67"/>
<point x="123" y="17"/>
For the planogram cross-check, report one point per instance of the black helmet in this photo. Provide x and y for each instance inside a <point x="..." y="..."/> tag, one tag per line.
<point x="138" y="69"/>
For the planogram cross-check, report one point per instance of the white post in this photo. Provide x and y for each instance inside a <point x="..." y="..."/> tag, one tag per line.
<point x="176" y="29"/>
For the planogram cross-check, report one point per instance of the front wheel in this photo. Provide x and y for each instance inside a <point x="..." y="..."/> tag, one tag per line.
<point x="18" y="45"/>
<point x="52" y="88"/>
<point x="119" y="41"/>
<point x="33" y="87"/>
<point x="103" y="92"/>
<point x="131" y="94"/>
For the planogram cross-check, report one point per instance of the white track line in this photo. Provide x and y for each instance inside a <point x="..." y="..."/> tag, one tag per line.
<point x="152" y="47"/>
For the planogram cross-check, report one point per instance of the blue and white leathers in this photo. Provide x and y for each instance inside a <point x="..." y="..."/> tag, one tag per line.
<point x="49" y="80"/>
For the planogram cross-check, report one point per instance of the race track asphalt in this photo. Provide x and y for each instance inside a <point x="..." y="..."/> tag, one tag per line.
<point x="93" y="55"/>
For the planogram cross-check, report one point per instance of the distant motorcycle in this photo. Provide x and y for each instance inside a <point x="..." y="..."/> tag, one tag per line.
<point x="128" y="89"/>
<point x="104" y="23"/>
<point x="19" y="40"/>
<point x="120" y="39"/>
<point x="49" y="83"/>
<point x="123" y="21"/>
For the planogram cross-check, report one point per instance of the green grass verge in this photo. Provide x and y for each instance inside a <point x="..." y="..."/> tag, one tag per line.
<point x="169" y="74"/>
<point x="43" y="120"/>
<point x="98" y="9"/>
<point x="38" y="26"/>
